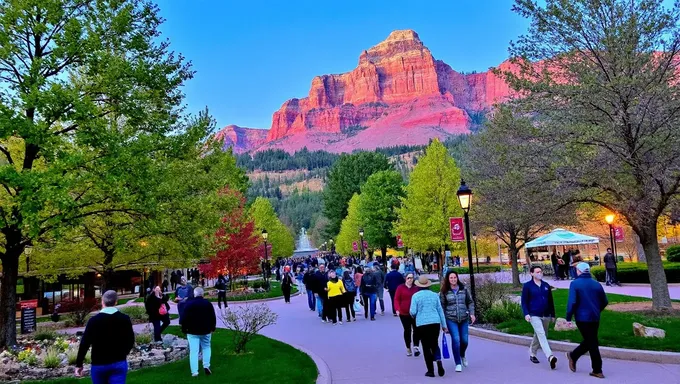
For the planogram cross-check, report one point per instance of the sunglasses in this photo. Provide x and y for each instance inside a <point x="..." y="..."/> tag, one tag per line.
<point x="409" y="278"/>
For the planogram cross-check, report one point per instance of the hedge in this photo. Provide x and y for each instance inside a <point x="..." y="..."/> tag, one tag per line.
<point x="673" y="253"/>
<point x="482" y="269"/>
<point x="637" y="272"/>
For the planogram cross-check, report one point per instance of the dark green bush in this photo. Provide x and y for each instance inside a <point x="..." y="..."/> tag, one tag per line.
<point x="673" y="253"/>
<point x="503" y="311"/>
<point x="637" y="272"/>
<point x="482" y="269"/>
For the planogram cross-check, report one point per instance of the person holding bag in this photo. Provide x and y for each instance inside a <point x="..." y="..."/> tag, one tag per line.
<point x="158" y="309"/>
<point x="459" y="310"/>
<point x="427" y="310"/>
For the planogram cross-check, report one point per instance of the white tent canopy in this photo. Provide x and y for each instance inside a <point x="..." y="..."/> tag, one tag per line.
<point x="561" y="236"/>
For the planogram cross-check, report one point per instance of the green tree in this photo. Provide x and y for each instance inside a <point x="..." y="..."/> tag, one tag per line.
<point x="380" y="198"/>
<point x="280" y="238"/>
<point x="600" y="78"/>
<point x="349" y="229"/>
<point x="423" y="218"/>
<point x="80" y="82"/>
<point x="515" y="204"/>
<point x="345" y="179"/>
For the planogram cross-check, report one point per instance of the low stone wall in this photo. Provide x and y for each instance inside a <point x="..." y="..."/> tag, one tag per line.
<point x="172" y="349"/>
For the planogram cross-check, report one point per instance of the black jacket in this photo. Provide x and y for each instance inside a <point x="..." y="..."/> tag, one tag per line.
<point x="199" y="317"/>
<point x="153" y="304"/>
<point x="111" y="337"/>
<point x="369" y="283"/>
<point x="320" y="282"/>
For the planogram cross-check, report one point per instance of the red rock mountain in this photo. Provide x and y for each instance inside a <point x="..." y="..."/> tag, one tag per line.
<point x="398" y="94"/>
<point x="241" y="139"/>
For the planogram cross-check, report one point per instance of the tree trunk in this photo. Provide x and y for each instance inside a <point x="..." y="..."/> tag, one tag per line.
<point x="642" y="258"/>
<point x="383" y="252"/>
<point x="661" y="298"/>
<point x="8" y="298"/>
<point x="513" y="253"/>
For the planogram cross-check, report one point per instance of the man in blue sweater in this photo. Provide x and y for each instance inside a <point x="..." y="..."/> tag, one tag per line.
<point x="586" y="302"/>
<point x="392" y="281"/>
<point x="539" y="310"/>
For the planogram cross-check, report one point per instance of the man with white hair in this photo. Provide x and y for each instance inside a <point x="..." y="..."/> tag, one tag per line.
<point x="183" y="293"/>
<point x="198" y="324"/>
<point x="111" y="337"/>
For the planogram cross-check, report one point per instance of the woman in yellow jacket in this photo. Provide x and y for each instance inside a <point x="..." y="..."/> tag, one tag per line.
<point x="335" y="289"/>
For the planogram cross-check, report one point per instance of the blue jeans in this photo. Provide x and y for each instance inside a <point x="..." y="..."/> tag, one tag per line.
<point x="197" y="342"/>
<point x="319" y="306"/>
<point x="459" y="338"/>
<point x="369" y="301"/>
<point x="311" y="300"/>
<point x="109" y="374"/>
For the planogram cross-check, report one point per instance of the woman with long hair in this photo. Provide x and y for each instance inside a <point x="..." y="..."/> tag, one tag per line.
<point x="427" y="310"/>
<point x="158" y="309"/>
<point x="335" y="289"/>
<point x="402" y="304"/>
<point x="459" y="310"/>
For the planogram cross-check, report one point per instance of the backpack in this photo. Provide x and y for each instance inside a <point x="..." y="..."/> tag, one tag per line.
<point x="183" y="292"/>
<point x="349" y="285"/>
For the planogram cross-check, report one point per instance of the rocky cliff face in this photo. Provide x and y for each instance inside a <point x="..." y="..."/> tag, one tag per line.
<point x="241" y="139"/>
<point x="398" y="94"/>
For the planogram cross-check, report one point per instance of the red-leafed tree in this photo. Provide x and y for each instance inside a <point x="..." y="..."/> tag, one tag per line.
<point x="237" y="245"/>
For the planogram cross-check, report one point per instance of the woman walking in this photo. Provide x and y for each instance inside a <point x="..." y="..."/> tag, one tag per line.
<point x="158" y="309"/>
<point x="358" y="273"/>
<point x="402" y="304"/>
<point x="286" y="284"/>
<point x="349" y="295"/>
<point x="427" y="310"/>
<point x="335" y="289"/>
<point x="459" y="310"/>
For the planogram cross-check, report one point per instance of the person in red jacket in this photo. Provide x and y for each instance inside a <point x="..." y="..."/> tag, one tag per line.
<point x="402" y="303"/>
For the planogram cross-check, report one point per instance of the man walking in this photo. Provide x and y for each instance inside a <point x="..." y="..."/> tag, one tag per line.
<point x="183" y="293"/>
<point x="308" y="281"/>
<point x="539" y="310"/>
<point x="586" y="302"/>
<point x="392" y="281"/>
<point x="199" y="324"/>
<point x="320" y="284"/>
<point x="379" y="276"/>
<point x="610" y="267"/>
<point x="221" y="286"/>
<point x="111" y="337"/>
<point x="369" y="288"/>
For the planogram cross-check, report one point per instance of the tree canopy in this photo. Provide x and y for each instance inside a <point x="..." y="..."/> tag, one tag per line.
<point x="349" y="229"/>
<point x="380" y="198"/>
<point x="278" y="235"/>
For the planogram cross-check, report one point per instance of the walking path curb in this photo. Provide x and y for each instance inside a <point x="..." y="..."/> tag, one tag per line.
<point x="261" y="300"/>
<point x="325" y="376"/>
<point x="562" y="346"/>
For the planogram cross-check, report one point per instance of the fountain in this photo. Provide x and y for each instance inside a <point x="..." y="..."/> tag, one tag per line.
<point x="303" y="247"/>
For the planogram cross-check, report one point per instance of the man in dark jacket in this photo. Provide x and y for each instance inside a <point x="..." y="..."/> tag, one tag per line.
<point x="610" y="267"/>
<point x="320" y="282"/>
<point x="369" y="288"/>
<point x="539" y="310"/>
<point x="111" y="336"/>
<point x="392" y="281"/>
<point x="199" y="323"/>
<point x="586" y="302"/>
<point x="379" y="275"/>
<point x="308" y="281"/>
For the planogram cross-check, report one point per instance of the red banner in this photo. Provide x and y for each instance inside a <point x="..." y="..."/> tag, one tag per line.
<point x="456" y="228"/>
<point x="365" y="244"/>
<point x="29" y="303"/>
<point x="400" y="243"/>
<point x="618" y="234"/>
<point x="355" y="246"/>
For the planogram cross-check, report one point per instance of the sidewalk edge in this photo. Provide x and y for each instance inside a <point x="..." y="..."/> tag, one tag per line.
<point x="325" y="376"/>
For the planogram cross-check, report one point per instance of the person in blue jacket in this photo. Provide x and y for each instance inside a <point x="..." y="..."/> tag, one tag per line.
<point x="539" y="310"/>
<point x="586" y="302"/>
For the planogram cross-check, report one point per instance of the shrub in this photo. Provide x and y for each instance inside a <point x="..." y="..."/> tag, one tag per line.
<point x="247" y="321"/>
<point x="136" y="312"/>
<point x="144" y="338"/>
<point x="503" y="311"/>
<point x="75" y="319"/>
<point x="258" y="284"/>
<point x="51" y="359"/>
<point x="673" y="253"/>
<point x="637" y="272"/>
<point x="46" y="334"/>
<point x="61" y="344"/>
<point x="482" y="269"/>
<point x="72" y="355"/>
<point x="28" y="356"/>
<point x="489" y="292"/>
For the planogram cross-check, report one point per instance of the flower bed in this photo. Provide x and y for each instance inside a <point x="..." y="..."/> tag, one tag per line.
<point x="46" y="355"/>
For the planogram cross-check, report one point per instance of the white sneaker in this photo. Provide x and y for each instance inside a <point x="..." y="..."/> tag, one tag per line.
<point x="323" y="321"/>
<point x="194" y="375"/>
<point x="464" y="361"/>
<point x="459" y="368"/>
<point x="340" y="322"/>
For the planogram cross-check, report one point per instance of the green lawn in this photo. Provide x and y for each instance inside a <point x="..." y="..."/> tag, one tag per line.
<point x="616" y="328"/>
<point x="267" y="361"/>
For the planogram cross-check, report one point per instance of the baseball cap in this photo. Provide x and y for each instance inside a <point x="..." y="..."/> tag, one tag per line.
<point x="583" y="267"/>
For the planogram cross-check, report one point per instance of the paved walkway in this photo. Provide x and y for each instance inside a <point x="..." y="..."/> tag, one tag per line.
<point x="373" y="353"/>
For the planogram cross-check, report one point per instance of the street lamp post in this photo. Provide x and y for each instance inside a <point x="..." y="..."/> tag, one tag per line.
<point x="27" y="250"/>
<point x="264" y="266"/>
<point x="465" y="199"/>
<point x="332" y="247"/>
<point x="361" y="241"/>
<point x="474" y="237"/>
<point x="610" y="220"/>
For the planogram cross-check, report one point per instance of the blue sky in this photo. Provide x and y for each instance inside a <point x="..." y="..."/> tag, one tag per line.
<point x="251" y="56"/>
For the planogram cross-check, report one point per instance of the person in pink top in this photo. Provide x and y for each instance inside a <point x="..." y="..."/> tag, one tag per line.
<point x="358" y="273"/>
<point x="402" y="303"/>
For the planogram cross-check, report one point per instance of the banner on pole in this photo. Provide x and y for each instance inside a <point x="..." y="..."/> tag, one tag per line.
<point x="355" y="246"/>
<point x="618" y="234"/>
<point x="400" y="243"/>
<point x="456" y="228"/>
